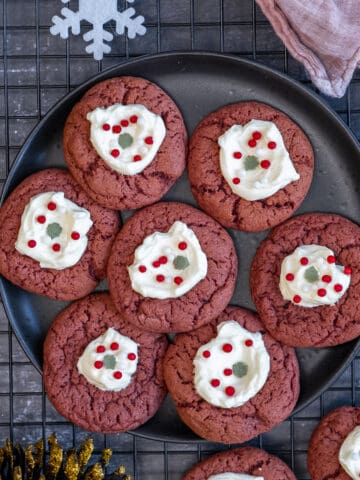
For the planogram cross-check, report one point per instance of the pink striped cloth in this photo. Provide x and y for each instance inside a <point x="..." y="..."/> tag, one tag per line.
<point x="324" y="35"/>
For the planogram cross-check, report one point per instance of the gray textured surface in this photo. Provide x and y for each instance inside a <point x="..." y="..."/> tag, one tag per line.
<point x="36" y="69"/>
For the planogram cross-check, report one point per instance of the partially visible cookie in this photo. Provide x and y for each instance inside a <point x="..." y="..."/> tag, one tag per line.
<point x="305" y="281"/>
<point x="49" y="220"/>
<point x="125" y="142"/>
<point x="124" y="384"/>
<point x="249" y="182"/>
<point x="230" y="380"/>
<point x="338" y="433"/>
<point x="254" y="463"/>
<point x="172" y="268"/>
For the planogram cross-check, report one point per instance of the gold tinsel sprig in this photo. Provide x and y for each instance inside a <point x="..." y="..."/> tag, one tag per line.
<point x="17" y="463"/>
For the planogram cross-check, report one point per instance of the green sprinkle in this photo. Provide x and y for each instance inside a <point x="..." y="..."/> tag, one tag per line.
<point x="180" y="262"/>
<point x="240" y="369"/>
<point x="125" y="140"/>
<point x="311" y="275"/>
<point x="251" y="162"/>
<point x="109" y="362"/>
<point x="53" y="230"/>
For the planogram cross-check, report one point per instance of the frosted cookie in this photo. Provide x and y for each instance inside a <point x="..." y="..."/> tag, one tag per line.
<point x="55" y="240"/>
<point x="100" y="372"/>
<point x="250" y="166"/>
<point x="334" y="448"/>
<point x="304" y="281"/>
<point x="229" y="380"/>
<point x="125" y="142"/>
<point x="244" y="463"/>
<point x="172" y="268"/>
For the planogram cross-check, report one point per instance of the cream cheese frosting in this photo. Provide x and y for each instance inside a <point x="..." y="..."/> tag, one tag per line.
<point x="126" y="137"/>
<point x="53" y="231"/>
<point x="231" y="368"/>
<point x="168" y="265"/>
<point x="254" y="160"/>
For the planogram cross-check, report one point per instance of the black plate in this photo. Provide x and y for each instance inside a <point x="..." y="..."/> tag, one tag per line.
<point x="200" y="83"/>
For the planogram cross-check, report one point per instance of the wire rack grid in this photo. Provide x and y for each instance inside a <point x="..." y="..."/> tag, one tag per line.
<point x="36" y="70"/>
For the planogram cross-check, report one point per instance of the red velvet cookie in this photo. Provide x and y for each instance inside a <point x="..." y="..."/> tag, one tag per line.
<point x="337" y="275"/>
<point x="85" y="404"/>
<point x="231" y="365"/>
<point x="68" y="283"/>
<point x="215" y="194"/>
<point x="171" y="249"/>
<point x="246" y="460"/>
<point x="326" y="441"/>
<point x="102" y="182"/>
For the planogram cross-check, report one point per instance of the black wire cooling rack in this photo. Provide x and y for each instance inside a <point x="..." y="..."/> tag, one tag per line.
<point x="36" y="70"/>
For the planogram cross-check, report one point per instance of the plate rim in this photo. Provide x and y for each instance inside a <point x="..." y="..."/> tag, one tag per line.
<point x="113" y="71"/>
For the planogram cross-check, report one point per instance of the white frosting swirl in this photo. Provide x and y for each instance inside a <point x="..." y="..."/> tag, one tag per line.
<point x="105" y="136"/>
<point x="234" y="476"/>
<point x="168" y="265"/>
<point x="109" y="361"/>
<point x="53" y="231"/>
<point x="349" y="454"/>
<point x="310" y="277"/>
<point x="232" y="368"/>
<point x="255" y="172"/>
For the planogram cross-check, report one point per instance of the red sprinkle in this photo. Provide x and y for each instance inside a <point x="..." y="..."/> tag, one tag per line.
<point x="182" y="246"/>
<point x="297" y="299"/>
<point x="331" y="259"/>
<point x="75" y="235"/>
<point x="321" y="292"/>
<point x="32" y="243"/>
<point x="237" y="155"/>
<point x="133" y="118"/>
<point x="163" y="260"/>
<point x="227" y="372"/>
<point x="51" y="206"/>
<point x="160" y="278"/>
<point x="249" y="342"/>
<point x="124" y="123"/>
<point x="117" y="375"/>
<point x="142" y="269"/>
<point x="236" y="180"/>
<point x="338" y="287"/>
<point x="326" y="278"/>
<point x="206" y="354"/>
<point x="149" y="140"/>
<point x="106" y="127"/>
<point x="41" y="219"/>
<point x="265" y="164"/>
<point x="56" y="247"/>
<point x="114" y="346"/>
<point x="272" y="145"/>
<point x="252" y="143"/>
<point x="289" y="277"/>
<point x="116" y="129"/>
<point x="348" y="270"/>
<point x="156" y="264"/>
<point x="178" y="280"/>
<point x="304" y="261"/>
<point x="115" y="153"/>
<point x="98" y="364"/>
<point x="230" y="391"/>
<point x="137" y="158"/>
<point x="100" y="349"/>
<point x="131" y="356"/>
<point x="215" y="382"/>
<point x="227" y="347"/>
<point x="257" y="135"/>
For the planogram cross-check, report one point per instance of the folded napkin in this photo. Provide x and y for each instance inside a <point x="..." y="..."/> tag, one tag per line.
<point x="324" y="35"/>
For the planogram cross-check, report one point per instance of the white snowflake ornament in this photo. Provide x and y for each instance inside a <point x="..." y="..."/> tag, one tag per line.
<point x="98" y="13"/>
